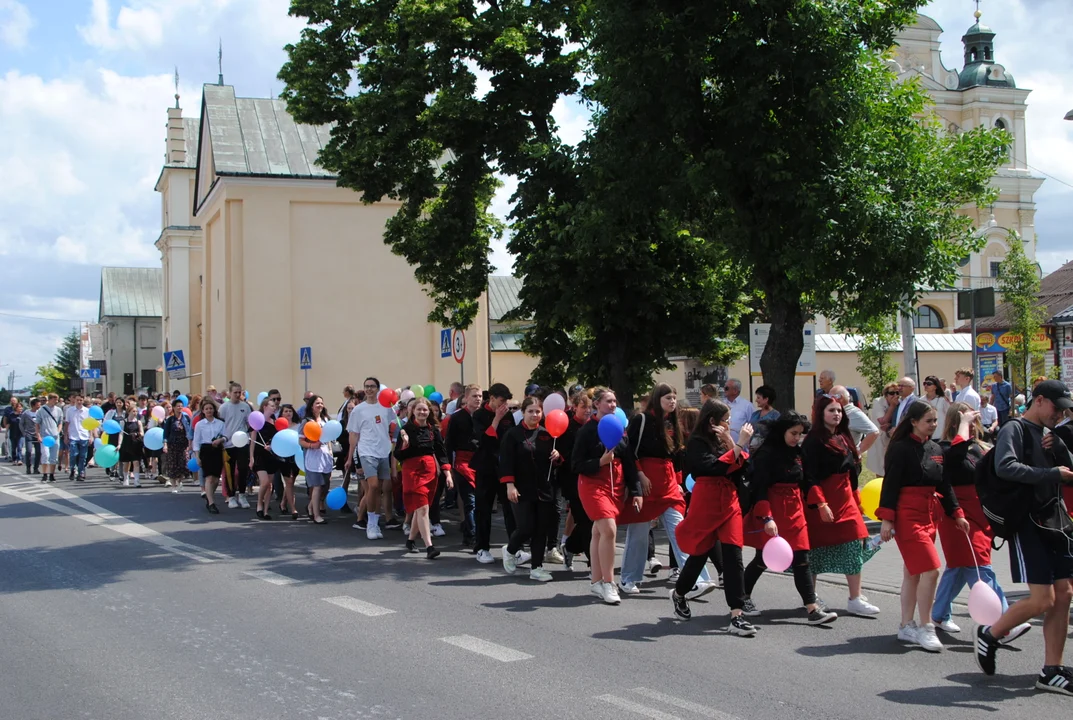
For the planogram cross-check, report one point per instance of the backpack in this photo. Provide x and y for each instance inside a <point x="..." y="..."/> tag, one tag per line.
<point x="1005" y="504"/>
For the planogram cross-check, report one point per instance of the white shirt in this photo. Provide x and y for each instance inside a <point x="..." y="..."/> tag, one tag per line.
<point x="74" y="416"/>
<point x="372" y="422"/>
<point x="940" y="405"/>
<point x="859" y="424"/>
<point x="740" y="412"/>
<point x="234" y="416"/>
<point x="969" y="396"/>
<point x="988" y="415"/>
<point x="207" y="431"/>
<point x="452" y="407"/>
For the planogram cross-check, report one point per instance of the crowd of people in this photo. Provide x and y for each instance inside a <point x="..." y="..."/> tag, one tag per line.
<point x="567" y="469"/>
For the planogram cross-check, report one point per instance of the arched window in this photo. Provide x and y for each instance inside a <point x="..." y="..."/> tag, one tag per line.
<point x="928" y="318"/>
<point x="972" y="55"/>
<point x="1000" y="124"/>
<point x="987" y="53"/>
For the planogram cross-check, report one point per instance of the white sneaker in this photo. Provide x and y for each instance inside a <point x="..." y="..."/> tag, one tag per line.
<point x="522" y="557"/>
<point x="928" y="639"/>
<point x="540" y="574"/>
<point x="629" y="588"/>
<point x="653" y="566"/>
<point x="1018" y="631"/>
<point x="484" y="557"/>
<point x="948" y="626"/>
<point x="167" y="484"/>
<point x="233" y="503"/>
<point x="243" y="502"/>
<point x="406" y="529"/>
<point x="908" y="633"/>
<point x="673" y="577"/>
<point x="597" y="588"/>
<point x="609" y="594"/>
<point x="372" y="532"/>
<point x="699" y="590"/>
<point x="175" y="491"/>
<point x="379" y="532"/>
<point x="510" y="562"/>
<point x="554" y="556"/>
<point x="438" y="531"/>
<point x="861" y="606"/>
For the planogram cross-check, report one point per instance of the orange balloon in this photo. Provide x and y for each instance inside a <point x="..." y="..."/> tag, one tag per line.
<point x="312" y="431"/>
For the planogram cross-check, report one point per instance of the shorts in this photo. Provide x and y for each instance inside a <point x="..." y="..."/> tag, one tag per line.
<point x="50" y="455"/>
<point x="374" y="467"/>
<point x="1037" y="559"/>
<point x="316" y="479"/>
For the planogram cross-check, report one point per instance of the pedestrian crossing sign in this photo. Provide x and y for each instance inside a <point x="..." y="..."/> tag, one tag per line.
<point x="175" y="364"/>
<point x="305" y="358"/>
<point x="445" y="343"/>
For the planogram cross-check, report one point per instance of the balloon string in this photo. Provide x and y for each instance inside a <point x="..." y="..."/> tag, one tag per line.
<point x="550" y="464"/>
<point x="973" y="551"/>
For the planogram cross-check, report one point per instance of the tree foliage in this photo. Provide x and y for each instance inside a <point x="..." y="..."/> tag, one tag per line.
<point x="56" y="375"/>
<point x="1019" y="284"/>
<point x="874" y="364"/>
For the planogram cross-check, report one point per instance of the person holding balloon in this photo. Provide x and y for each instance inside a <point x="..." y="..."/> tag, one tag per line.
<point x="263" y="461"/>
<point x="130" y="445"/>
<point x="177" y="434"/>
<point x="423" y="455"/>
<point x="78" y="425"/>
<point x="578" y="531"/>
<point x="371" y="426"/>
<point x="209" y="450"/>
<point x="607" y="480"/>
<point x="49" y="422"/>
<point x="908" y="507"/>
<point x="235" y="412"/>
<point x="776" y="524"/>
<point x="318" y="455"/>
<point x="287" y="418"/>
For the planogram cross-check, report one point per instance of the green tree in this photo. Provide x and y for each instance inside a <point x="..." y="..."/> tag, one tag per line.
<point x="5" y="396"/>
<point x="873" y="355"/>
<point x="50" y="380"/>
<point x="1019" y="284"/>
<point x="56" y="375"/>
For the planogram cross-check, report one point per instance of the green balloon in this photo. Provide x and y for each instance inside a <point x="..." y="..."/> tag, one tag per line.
<point x="429" y="389"/>
<point x="418" y="390"/>
<point x="106" y="456"/>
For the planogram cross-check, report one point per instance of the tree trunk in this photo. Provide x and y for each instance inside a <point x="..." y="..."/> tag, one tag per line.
<point x="618" y="365"/>
<point x="783" y="349"/>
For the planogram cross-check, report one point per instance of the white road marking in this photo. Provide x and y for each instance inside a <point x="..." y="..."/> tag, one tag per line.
<point x="270" y="577"/>
<point x="488" y="649"/>
<point x="358" y="606"/>
<point x="702" y="710"/>
<point x="638" y="708"/>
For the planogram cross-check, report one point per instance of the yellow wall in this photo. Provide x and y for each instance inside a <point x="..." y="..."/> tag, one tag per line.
<point x="513" y="369"/>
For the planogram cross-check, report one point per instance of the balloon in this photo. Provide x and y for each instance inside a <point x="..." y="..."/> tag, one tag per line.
<point x="192" y="465"/>
<point x="331" y="432"/>
<point x="106" y="456"/>
<point x="49" y="441"/>
<point x="97" y="444"/>
<point x="554" y="401"/>
<point x="435" y="397"/>
<point x="109" y="415"/>
<point x="285" y="443"/>
<point x="281" y="423"/>
<point x="336" y="499"/>
<point x="104" y="438"/>
<point x="407" y="396"/>
<point x="556" y="422"/>
<point x="429" y="390"/>
<point x="91" y="424"/>
<point x="112" y="427"/>
<point x="187" y="413"/>
<point x="984" y="605"/>
<point x="184" y="400"/>
<point x="418" y="390"/>
<point x="621" y="415"/>
<point x="690" y="482"/>
<point x="312" y="431"/>
<point x="256" y="420"/>
<point x="870" y="497"/>
<point x="240" y="439"/>
<point x="154" y="439"/>
<point x="96" y="413"/>
<point x="778" y="555"/>
<point x="300" y="460"/>
<point x="158" y="413"/>
<point x="610" y="431"/>
<point x="245" y="394"/>
<point x="388" y="397"/>
<point x="261" y="398"/>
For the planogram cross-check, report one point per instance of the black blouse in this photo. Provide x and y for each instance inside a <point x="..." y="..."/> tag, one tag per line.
<point x="823" y="459"/>
<point x="653" y="438"/>
<point x="588" y="450"/>
<point x="960" y="461"/>
<point x="911" y="462"/>
<point x="423" y="440"/>
<point x="703" y="460"/>
<point x="525" y="460"/>
<point x="461" y="434"/>
<point x="776" y="465"/>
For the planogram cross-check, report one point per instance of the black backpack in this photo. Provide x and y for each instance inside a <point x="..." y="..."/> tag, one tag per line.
<point x="1005" y="504"/>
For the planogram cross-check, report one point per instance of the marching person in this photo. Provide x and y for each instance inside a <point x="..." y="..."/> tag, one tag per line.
<point x="178" y="432"/>
<point x="130" y="445"/>
<point x="318" y="456"/>
<point x="263" y="462"/>
<point x="209" y="450"/>
<point x="577" y="534"/>
<point x="490" y="424"/>
<point x="371" y="427"/>
<point x="908" y="507"/>
<point x="288" y="466"/>
<point x="423" y="455"/>
<point x="462" y="444"/>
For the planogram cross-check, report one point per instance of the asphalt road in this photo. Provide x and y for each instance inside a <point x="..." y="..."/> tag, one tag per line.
<point x="134" y="603"/>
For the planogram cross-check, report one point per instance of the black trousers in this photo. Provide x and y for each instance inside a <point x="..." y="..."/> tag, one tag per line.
<point x="238" y="460"/>
<point x="578" y="542"/>
<point x="729" y="556"/>
<point x="802" y="575"/>
<point x="488" y="489"/>
<point x="33" y="447"/>
<point x="536" y="522"/>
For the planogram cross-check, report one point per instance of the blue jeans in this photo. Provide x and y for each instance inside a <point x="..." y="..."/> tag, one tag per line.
<point x="950" y="585"/>
<point x="79" y="452"/>
<point x="636" y="552"/>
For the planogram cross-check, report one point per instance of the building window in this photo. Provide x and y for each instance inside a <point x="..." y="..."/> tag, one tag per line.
<point x="1000" y="124"/>
<point x="101" y="365"/>
<point x="995" y="265"/>
<point x="149" y="380"/>
<point x="147" y="338"/>
<point x="928" y="318"/>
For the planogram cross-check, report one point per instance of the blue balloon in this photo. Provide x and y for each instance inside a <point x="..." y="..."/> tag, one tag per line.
<point x="96" y="413"/>
<point x="261" y="397"/>
<point x="184" y="400"/>
<point x="49" y="441"/>
<point x="192" y="465"/>
<point x="621" y="415"/>
<point x="331" y="432"/>
<point x="690" y="482"/>
<point x="285" y="443"/>
<point x="610" y="431"/>
<point x="97" y="444"/>
<point x="111" y="427"/>
<point x="245" y="394"/>
<point x="154" y="439"/>
<point x="336" y="499"/>
<point x="436" y="397"/>
<point x="300" y="460"/>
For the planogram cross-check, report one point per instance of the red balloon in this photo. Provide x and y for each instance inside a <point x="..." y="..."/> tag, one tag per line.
<point x="282" y="423"/>
<point x="388" y="397"/>
<point x="556" y="422"/>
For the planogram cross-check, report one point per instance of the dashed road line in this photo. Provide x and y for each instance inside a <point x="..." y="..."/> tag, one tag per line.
<point x="359" y="606"/>
<point x="631" y="706"/>
<point x="488" y="649"/>
<point x="702" y="710"/>
<point x="272" y="578"/>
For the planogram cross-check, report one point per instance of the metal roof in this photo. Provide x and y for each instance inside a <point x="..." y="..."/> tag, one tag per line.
<point x="503" y="294"/>
<point x="131" y="292"/>
<point x="506" y="342"/>
<point x="191" y="137"/>
<point x="1064" y="316"/>
<point x="925" y="342"/>
<point x="1055" y="295"/>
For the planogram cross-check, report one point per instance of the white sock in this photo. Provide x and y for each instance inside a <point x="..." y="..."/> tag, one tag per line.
<point x="137" y="477"/>
<point x="563" y="541"/>
<point x="374" y="519"/>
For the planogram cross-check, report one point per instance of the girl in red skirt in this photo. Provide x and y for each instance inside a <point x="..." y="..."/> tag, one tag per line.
<point x="607" y="480"/>
<point x="962" y="450"/>
<point x="909" y="509"/>
<point x="423" y="456"/>
<point x="715" y="461"/>
<point x="778" y="509"/>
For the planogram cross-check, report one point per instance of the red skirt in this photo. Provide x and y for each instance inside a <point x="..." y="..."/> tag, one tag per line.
<point x="463" y="470"/>
<point x="419" y="478"/>
<point x="915" y="526"/>
<point x="957" y="549"/>
<point x="666" y="492"/>
<point x="714" y="514"/>
<point x="849" y="523"/>
<point x="602" y="498"/>
<point x="787" y="510"/>
<point x="1067" y="497"/>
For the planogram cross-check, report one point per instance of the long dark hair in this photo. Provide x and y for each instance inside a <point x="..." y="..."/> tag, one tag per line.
<point x="309" y="409"/>
<point x="819" y="429"/>
<point x="654" y="406"/>
<point x="711" y="410"/>
<point x="917" y="410"/>
<point x="776" y="434"/>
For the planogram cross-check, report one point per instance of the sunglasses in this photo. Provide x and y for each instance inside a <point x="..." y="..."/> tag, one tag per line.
<point x="891" y="392"/>
<point x="926" y="382"/>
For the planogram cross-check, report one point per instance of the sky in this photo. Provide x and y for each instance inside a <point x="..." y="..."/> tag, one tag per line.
<point x="85" y="86"/>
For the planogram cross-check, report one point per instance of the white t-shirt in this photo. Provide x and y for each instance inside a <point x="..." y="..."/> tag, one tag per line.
<point x="969" y="396"/>
<point x="372" y="422"/>
<point x="940" y="405"/>
<point x="452" y="407"/>
<point x="234" y="416"/>
<point x="740" y="412"/>
<point x="74" y="415"/>
<point x="988" y="415"/>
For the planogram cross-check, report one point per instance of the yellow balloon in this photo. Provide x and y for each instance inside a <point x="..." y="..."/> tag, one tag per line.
<point x="870" y="497"/>
<point x="104" y="438"/>
<point x="91" y="424"/>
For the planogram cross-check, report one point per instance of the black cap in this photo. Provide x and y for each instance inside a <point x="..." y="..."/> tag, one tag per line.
<point x="1054" y="391"/>
<point x="500" y="390"/>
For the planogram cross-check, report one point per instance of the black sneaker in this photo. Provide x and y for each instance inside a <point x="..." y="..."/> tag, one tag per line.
<point x="986" y="647"/>
<point x="681" y="606"/>
<point x="213" y="510"/>
<point x="1056" y="679"/>
<point x="749" y="608"/>
<point x="821" y="617"/>
<point x="411" y="546"/>
<point x="431" y="552"/>
<point x="393" y="524"/>
<point x="741" y="627"/>
<point x="361" y="525"/>
<point x="71" y="475"/>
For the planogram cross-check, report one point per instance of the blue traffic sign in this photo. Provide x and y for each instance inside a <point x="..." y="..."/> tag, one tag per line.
<point x="305" y="358"/>
<point x="175" y="364"/>
<point x="89" y="374"/>
<point x="445" y="343"/>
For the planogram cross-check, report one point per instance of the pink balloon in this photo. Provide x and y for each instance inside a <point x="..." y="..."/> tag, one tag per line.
<point x="256" y="420"/>
<point x="555" y="401"/>
<point x="984" y="605"/>
<point x="778" y="555"/>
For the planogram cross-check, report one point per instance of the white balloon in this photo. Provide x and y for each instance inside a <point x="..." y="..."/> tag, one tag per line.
<point x="240" y="439"/>
<point x="555" y="401"/>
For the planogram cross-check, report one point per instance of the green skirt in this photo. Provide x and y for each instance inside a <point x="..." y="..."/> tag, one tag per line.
<point x="845" y="559"/>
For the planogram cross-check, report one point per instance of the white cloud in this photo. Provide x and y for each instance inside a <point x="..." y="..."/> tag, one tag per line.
<point x="15" y="24"/>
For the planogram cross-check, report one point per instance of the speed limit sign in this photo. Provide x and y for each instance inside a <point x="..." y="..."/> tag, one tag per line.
<point x="458" y="346"/>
